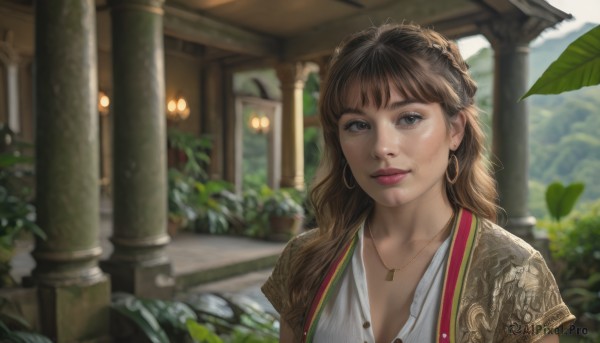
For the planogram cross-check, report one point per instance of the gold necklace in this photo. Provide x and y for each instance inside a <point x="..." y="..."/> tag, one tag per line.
<point x="392" y="271"/>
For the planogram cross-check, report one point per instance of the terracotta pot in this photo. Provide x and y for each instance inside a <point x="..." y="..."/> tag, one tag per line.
<point x="175" y="225"/>
<point x="282" y="228"/>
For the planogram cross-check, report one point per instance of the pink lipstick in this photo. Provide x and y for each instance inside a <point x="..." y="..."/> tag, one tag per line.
<point x="389" y="176"/>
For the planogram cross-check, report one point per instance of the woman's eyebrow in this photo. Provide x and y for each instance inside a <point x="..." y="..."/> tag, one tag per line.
<point x="392" y="106"/>
<point x="399" y="104"/>
<point x="350" y="110"/>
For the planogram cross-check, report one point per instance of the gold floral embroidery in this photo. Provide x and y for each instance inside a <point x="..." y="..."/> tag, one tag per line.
<point x="509" y="292"/>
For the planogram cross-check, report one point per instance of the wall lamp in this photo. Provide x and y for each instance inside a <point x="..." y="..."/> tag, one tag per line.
<point x="259" y="123"/>
<point x="177" y="108"/>
<point x="103" y="103"/>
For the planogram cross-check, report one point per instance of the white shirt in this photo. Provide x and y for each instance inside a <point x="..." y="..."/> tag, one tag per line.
<point x="348" y="306"/>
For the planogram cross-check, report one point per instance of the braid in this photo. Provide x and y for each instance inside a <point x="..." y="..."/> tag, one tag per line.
<point x="449" y="50"/>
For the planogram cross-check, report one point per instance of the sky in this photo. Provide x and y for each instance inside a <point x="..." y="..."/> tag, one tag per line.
<point x="583" y="11"/>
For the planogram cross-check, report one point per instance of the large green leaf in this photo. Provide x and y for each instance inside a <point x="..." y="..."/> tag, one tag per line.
<point x="578" y="66"/>
<point x="8" y="160"/>
<point x="171" y="314"/>
<point x="201" y="333"/>
<point x="134" y="309"/>
<point x="27" y="337"/>
<point x="560" y="199"/>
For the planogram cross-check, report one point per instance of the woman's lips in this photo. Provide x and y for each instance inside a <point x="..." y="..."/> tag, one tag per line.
<point x="387" y="177"/>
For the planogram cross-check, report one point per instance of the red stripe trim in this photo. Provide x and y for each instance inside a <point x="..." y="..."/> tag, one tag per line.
<point x="324" y="289"/>
<point x="457" y="254"/>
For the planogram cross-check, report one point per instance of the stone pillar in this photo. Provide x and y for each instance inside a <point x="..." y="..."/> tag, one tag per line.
<point x="74" y="293"/>
<point x="292" y="77"/>
<point x="230" y="152"/>
<point x="510" y="40"/>
<point x="139" y="263"/>
<point x="212" y="115"/>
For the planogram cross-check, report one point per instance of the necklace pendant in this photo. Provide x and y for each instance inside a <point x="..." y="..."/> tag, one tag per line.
<point x="390" y="275"/>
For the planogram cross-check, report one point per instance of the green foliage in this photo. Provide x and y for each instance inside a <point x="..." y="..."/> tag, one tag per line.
<point x="260" y="204"/>
<point x="255" y="154"/>
<point x="283" y="203"/>
<point x="564" y="142"/>
<point x="310" y="95"/>
<point x="133" y="309"/>
<point x="219" y="209"/>
<point x="202" y="318"/>
<point x="312" y="152"/>
<point x="14" y="328"/>
<point x="7" y="335"/>
<point x="311" y="134"/>
<point x="180" y="197"/>
<point x="255" y="218"/>
<point x="560" y="199"/>
<point x="190" y="153"/>
<point x="201" y="333"/>
<point x="576" y="249"/>
<point x="195" y="201"/>
<point x="578" y="245"/>
<point x="17" y="213"/>
<point x="160" y="321"/>
<point x="235" y="318"/>
<point x="578" y="66"/>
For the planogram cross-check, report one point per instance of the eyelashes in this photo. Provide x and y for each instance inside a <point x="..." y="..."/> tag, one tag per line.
<point x="405" y="121"/>
<point x="356" y="125"/>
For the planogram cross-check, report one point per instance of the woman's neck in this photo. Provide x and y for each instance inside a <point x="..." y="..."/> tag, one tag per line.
<point x="410" y="222"/>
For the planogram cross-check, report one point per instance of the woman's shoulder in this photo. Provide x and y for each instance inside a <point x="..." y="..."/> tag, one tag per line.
<point x="276" y="286"/>
<point x="299" y="241"/>
<point x="492" y="237"/>
<point x="510" y="279"/>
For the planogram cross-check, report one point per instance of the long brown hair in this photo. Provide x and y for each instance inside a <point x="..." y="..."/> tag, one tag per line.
<point x="422" y="65"/>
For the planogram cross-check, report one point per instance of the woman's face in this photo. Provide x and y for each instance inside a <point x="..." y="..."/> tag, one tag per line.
<point x="398" y="154"/>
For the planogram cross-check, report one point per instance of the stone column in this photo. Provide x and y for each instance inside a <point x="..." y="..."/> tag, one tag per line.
<point x="74" y="293"/>
<point x="292" y="77"/>
<point x="213" y="105"/>
<point x="139" y="263"/>
<point x="231" y="162"/>
<point x="510" y="40"/>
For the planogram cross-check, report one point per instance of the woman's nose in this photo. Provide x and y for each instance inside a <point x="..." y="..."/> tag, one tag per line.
<point x="385" y="143"/>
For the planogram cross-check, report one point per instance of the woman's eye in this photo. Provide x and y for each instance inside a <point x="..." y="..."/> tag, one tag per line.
<point x="410" y="119"/>
<point x="355" y="126"/>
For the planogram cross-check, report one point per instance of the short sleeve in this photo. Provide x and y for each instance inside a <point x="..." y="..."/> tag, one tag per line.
<point x="510" y="294"/>
<point x="536" y="307"/>
<point x="276" y="286"/>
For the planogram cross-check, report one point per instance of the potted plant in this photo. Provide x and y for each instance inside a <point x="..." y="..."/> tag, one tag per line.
<point x="219" y="209"/>
<point x="16" y="211"/>
<point x="188" y="161"/>
<point x="181" y="211"/>
<point x="285" y="215"/>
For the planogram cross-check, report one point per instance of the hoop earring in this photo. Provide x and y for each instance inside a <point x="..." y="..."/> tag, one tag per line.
<point x="453" y="159"/>
<point x="344" y="177"/>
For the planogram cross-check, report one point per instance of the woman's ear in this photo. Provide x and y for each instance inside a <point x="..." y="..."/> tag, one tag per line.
<point x="457" y="129"/>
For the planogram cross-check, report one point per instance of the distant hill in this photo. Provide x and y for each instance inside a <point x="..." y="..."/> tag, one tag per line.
<point x="564" y="139"/>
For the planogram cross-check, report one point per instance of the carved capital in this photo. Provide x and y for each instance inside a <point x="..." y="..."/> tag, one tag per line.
<point x="512" y="32"/>
<point x="323" y="63"/>
<point x="292" y="75"/>
<point x="8" y="54"/>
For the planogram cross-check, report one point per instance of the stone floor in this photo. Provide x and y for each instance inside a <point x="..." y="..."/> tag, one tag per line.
<point x="195" y="258"/>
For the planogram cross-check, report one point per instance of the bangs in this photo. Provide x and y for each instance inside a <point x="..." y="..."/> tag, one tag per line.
<point x="367" y="81"/>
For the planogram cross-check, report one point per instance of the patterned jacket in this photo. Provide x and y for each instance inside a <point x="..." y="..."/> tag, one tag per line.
<point x="497" y="288"/>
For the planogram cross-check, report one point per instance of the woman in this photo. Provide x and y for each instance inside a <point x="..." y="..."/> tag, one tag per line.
<point x="407" y="249"/>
